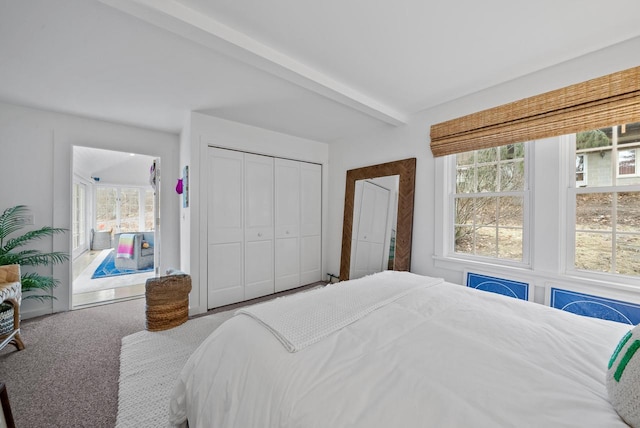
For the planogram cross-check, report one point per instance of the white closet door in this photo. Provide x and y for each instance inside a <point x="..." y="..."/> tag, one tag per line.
<point x="258" y="226"/>
<point x="310" y="223"/>
<point x="225" y="254"/>
<point x="287" y="221"/>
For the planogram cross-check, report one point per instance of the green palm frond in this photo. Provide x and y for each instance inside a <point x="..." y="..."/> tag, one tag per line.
<point x="33" y="282"/>
<point x="32" y="258"/>
<point x="13" y="220"/>
<point x="31" y="236"/>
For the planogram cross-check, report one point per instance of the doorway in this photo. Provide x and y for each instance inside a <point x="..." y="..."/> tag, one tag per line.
<point x="114" y="199"/>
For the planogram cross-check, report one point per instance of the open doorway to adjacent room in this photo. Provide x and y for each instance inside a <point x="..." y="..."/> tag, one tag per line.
<point x="114" y="212"/>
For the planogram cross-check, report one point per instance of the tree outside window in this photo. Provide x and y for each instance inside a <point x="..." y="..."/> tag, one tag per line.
<point x="489" y="202"/>
<point x="607" y="208"/>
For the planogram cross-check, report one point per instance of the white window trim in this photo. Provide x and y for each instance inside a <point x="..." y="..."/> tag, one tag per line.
<point x="549" y="261"/>
<point x="569" y="196"/>
<point x="445" y="174"/>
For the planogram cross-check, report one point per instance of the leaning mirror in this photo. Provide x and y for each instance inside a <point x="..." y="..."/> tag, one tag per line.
<point x="374" y="225"/>
<point x="379" y="195"/>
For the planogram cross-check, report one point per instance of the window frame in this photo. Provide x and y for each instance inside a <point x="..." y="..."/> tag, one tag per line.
<point x="550" y="250"/>
<point x="570" y="191"/>
<point x="119" y="188"/>
<point x="447" y="245"/>
<point x="79" y="226"/>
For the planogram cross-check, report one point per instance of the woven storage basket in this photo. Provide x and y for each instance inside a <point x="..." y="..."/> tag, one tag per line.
<point x="6" y="318"/>
<point x="167" y="301"/>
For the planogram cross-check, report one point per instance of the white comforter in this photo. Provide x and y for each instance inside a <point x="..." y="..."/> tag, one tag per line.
<point x="439" y="356"/>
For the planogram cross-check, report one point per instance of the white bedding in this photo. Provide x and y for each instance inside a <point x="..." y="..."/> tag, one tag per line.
<point x="303" y="319"/>
<point x="439" y="356"/>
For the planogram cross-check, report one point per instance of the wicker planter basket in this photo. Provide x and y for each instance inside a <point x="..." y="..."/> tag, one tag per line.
<point x="167" y="301"/>
<point x="6" y="318"/>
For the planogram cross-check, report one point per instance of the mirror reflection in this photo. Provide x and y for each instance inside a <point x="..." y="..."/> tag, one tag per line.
<point x="398" y="177"/>
<point x="375" y="212"/>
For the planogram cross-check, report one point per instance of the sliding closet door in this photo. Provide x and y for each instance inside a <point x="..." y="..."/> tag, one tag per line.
<point x="258" y="226"/>
<point x="287" y="209"/>
<point x="264" y="225"/>
<point x="310" y="223"/>
<point x="225" y="277"/>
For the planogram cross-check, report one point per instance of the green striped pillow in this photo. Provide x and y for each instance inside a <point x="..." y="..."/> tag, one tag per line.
<point x="623" y="377"/>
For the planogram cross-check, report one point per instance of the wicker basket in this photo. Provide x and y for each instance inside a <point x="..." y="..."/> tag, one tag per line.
<point x="6" y="318"/>
<point x="167" y="301"/>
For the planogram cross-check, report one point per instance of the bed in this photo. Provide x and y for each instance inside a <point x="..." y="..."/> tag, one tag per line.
<point x="396" y="349"/>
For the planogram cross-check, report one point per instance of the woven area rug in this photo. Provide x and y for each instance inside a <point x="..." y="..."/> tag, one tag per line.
<point x="108" y="268"/>
<point x="150" y="363"/>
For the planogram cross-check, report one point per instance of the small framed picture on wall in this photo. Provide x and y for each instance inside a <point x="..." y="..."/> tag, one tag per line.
<point x="185" y="184"/>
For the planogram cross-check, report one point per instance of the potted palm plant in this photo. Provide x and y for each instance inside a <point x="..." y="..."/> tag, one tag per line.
<point x="12" y="251"/>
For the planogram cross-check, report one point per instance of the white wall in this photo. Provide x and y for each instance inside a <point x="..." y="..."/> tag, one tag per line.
<point x="205" y="131"/>
<point x="412" y="140"/>
<point x="36" y="153"/>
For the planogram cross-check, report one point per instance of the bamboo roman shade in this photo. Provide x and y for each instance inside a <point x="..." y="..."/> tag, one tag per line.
<point x="605" y="101"/>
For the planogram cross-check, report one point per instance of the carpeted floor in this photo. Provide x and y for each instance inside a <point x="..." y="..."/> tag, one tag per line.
<point x="67" y="375"/>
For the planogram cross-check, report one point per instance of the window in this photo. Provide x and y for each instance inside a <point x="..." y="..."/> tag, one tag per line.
<point x="627" y="162"/>
<point x="581" y="170"/>
<point x="149" y="211"/>
<point x="585" y="227"/>
<point x="124" y="209"/>
<point x="607" y="209"/>
<point x="78" y="222"/>
<point x="129" y="202"/>
<point x="489" y="202"/>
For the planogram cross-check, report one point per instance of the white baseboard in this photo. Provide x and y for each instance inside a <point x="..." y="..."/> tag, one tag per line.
<point x="24" y="315"/>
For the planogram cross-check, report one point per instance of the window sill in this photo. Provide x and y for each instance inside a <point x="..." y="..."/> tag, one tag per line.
<point x="454" y="264"/>
<point x="592" y="281"/>
<point x="604" y="280"/>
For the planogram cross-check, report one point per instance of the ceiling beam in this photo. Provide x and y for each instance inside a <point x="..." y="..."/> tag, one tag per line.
<point x="174" y="16"/>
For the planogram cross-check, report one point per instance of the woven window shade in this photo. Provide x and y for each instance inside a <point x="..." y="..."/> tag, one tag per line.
<point x="605" y="101"/>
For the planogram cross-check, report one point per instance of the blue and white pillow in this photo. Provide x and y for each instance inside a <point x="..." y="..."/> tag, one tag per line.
<point x="623" y="378"/>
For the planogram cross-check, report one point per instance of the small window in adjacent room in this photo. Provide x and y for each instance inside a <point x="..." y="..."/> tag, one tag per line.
<point x="627" y="162"/>
<point x="581" y="170"/>
<point x="489" y="202"/>
<point x="607" y="210"/>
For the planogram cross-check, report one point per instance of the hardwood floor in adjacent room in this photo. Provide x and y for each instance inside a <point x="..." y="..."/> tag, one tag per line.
<point x="103" y="290"/>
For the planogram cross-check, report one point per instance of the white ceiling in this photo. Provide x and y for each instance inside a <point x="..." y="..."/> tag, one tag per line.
<point x="107" y="166"/>
<point x="323" y="70"/>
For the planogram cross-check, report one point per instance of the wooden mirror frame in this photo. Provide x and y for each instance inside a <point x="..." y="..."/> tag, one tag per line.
<point x="406" y="169"/>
